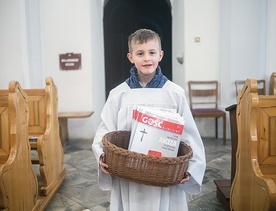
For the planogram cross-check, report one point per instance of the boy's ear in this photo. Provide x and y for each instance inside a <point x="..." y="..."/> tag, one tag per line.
<point x="129" y="56"/>
<point x="161" y="55"/>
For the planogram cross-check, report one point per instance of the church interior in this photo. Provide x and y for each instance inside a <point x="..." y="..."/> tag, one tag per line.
<point x="60" y="59"/>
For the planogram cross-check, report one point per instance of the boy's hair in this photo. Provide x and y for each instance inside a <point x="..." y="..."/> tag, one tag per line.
<point x="142" y="36"/>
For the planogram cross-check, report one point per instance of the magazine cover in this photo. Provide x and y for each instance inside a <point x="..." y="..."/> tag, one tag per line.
<point x="156" y="132"/>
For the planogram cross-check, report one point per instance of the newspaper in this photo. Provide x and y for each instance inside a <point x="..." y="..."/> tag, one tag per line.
<point x="156" y="132"/>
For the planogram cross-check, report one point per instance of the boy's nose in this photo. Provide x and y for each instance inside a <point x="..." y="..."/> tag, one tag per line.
<point x="146" y="57"/>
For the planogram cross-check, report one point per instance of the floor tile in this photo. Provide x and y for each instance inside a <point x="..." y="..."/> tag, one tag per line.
<point x="80" y="192"/>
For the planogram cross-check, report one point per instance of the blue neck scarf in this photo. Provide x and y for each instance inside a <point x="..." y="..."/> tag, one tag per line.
<point x="157" y="81"/>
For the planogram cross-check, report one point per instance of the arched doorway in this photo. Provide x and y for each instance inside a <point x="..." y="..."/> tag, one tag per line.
<point x="121" y="18"/>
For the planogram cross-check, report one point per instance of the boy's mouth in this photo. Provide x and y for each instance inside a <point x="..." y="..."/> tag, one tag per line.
<point x="147" y="65"/>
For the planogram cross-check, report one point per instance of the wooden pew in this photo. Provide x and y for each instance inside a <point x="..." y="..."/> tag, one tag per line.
<point x="254" y="187"/>
<point x="18" y="182"/>
<point x="43" y="131"/>
<point x="272" y="84"/>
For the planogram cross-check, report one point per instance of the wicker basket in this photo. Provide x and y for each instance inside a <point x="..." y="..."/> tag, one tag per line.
<point x="141" y="168"/>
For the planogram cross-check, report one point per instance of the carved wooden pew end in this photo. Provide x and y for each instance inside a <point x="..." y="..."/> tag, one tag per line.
<point x="18" y="182"/>
<point x="254" y="186"/>
<point x="43" y="129"/>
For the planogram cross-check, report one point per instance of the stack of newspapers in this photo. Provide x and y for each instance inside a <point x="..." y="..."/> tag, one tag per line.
<point x="156" y="131"/>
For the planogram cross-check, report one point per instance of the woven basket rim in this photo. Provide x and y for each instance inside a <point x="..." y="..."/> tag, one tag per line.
<point x="129" y="153"/>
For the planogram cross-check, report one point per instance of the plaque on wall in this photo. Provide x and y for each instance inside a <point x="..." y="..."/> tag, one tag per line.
<point x="70" y="61"/>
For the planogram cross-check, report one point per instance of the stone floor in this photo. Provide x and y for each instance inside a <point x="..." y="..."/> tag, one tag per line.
<point x="80" y="192"/>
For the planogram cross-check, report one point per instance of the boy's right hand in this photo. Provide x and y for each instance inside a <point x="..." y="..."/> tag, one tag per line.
<point x="102" y="164"/>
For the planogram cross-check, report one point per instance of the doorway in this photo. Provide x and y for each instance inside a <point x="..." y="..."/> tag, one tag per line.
<point x="123" y="17"/>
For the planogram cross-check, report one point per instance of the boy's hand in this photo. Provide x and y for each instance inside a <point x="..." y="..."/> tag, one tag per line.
<point x="102" y="164"/>
<point x="186" y="178"/>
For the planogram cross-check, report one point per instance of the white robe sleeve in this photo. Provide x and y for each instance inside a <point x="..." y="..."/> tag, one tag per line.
<point x="192" y="138"/>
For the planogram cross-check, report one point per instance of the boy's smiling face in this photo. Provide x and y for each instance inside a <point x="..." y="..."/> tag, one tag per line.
<point x="146" y="57"/>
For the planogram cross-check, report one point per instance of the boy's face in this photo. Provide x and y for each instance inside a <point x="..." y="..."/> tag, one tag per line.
<point x="146" y="57"/>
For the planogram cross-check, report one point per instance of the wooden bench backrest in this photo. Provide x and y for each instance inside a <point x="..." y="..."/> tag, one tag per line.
<point x="4" y="129"/>
<point x="254" y="186"/>
<point x="43" y="104"/>
<point x="37" y="111"/>
<point x="266" y="131"/>
<point x="18" y="182"/>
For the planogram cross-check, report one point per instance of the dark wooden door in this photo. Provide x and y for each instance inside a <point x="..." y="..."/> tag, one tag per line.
<point x="123" y="17"/>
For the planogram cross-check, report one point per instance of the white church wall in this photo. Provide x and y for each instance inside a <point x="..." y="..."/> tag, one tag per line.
<point x="66" y="28"/>
<point x="271" y="41"/>
<point x="97" y="60"/>
<point x="242" y="45"/>
<point x="13" y="56"/>
<point x="178" y="46"/>
<point x="202" y="58"/>
<point x="246" y="39"/>
<point x="33" y="28"/>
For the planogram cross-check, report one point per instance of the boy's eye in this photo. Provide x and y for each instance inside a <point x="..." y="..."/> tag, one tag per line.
<point x="152" y="52"/>
<point x="140" y="54"/>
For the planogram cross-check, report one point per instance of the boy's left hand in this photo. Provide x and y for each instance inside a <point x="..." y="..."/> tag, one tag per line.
<point x="186" y="178"/>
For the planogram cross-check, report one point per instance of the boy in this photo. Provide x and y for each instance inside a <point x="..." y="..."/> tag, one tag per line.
<point x="147" y="86"/>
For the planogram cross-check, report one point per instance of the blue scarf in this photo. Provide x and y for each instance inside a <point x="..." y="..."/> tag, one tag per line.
<point x="157" y="81"/>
